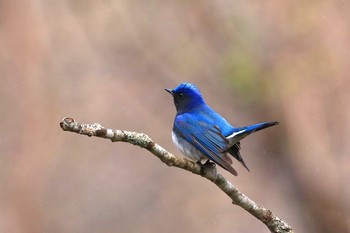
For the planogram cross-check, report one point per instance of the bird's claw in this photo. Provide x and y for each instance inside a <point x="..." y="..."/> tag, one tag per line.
<point x="207" y="166"/>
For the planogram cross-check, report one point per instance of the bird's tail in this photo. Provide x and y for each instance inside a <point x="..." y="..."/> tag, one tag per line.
<point x="241" y="133"/>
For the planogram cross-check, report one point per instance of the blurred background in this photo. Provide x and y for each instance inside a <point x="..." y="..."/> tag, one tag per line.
<point x="109" y="61"/>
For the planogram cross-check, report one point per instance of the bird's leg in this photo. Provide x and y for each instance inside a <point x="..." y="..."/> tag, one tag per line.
<point x="209" y="165"/>
<point x="202" y="169"/>
<point x="206" y="166"/>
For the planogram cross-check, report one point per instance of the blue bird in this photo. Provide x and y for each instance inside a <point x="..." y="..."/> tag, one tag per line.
<point x="200" y="133"/>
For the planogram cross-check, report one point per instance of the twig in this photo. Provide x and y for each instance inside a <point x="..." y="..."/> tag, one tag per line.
<point x="275" y="224"/>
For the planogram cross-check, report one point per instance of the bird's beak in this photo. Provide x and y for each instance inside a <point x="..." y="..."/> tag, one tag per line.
<point x="169" y="90"/>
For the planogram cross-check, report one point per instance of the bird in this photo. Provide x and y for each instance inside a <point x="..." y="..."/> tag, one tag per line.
<point x="202" y="134"/>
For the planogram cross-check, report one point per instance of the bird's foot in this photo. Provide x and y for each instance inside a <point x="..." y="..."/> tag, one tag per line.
<point x="207" y="166"/>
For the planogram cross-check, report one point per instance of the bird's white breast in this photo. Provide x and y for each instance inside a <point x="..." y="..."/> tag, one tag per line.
<point x="187" y="149"/>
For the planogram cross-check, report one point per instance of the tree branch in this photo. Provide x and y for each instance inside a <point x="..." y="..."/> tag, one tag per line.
<point x="275" y="224"/>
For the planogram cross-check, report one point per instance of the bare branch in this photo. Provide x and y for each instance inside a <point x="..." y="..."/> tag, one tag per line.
<point x="275" y="224"/>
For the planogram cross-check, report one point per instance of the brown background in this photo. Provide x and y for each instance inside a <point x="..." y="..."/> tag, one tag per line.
<point x="109" y="62"/>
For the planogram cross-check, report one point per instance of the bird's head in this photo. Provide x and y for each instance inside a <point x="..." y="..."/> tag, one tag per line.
<point x="186" y="97"/>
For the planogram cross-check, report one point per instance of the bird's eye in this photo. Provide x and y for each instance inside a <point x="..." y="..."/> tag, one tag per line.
<point x="180" y="95"/>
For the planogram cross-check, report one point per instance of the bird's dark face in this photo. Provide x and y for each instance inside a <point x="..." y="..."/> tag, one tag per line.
<point x="186" y="97"/>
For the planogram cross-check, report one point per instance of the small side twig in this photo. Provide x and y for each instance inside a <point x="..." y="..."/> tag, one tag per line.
<point x="275" y="224"/>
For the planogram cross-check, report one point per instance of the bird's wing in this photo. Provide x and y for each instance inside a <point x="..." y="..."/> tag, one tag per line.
<point x="206" y="137"/>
